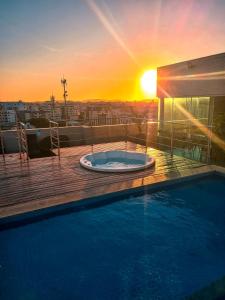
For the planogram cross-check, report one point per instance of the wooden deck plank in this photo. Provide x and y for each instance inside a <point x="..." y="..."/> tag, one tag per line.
<point x="48" y="178"/>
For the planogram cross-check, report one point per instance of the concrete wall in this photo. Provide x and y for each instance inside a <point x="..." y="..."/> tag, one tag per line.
<point x="194" y="78"/>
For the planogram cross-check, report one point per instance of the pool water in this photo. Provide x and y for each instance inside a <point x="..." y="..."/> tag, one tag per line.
<point x="118" y="164"/>
<point x="153" y="245"/>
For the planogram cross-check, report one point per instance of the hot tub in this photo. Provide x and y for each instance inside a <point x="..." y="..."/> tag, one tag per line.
<point x="116" y="161"/>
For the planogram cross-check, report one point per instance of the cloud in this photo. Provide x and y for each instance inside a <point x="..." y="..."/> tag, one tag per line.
<point x="51" y="49"/>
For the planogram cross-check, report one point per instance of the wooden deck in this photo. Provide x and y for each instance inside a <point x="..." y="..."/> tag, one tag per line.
<point x="47" y="181"/>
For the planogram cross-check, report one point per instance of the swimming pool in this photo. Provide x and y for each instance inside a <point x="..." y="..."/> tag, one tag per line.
<point x="150" y="245"/>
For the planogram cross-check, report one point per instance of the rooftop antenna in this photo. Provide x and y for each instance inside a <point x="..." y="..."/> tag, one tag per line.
<point x="65" y="94"/>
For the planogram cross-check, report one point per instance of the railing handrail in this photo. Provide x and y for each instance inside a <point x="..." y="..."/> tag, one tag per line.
<point x="142" y="134"/>
<point x="116" y="121"/>
<point x="139" y="118"/>
<point x="171" y="127"/>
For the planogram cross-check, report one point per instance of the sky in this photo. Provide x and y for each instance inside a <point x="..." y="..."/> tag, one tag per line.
<point x="101" y="46"/>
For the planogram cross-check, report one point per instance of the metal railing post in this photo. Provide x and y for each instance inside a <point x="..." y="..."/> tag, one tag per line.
<point x="26" y="143"/>
<point x="210" y="127"/>
<point x="209" y="145"/>
<point x="50" y="128"/>
<point x="146" y="138"/>
<point x="126" y="131"/>
<point x="57" y="130"/>
<point x="171" y="130"/>
<point x="54" y="137"/>
<point x="2" y="144"/>
<point x="22" y="140"/>
<point x="92" y="139"/>
<point x="18" y="138"/>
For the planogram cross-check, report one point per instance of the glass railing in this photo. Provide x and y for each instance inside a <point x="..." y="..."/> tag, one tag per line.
<point x="187" y="138"/>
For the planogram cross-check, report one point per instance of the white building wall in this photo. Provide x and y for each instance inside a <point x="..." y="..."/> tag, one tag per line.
<point x="194" y="78"/>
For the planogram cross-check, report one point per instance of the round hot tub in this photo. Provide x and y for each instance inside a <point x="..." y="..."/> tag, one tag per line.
<point x="116" y="161"/>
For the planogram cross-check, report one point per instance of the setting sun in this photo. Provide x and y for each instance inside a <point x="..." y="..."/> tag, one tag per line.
<point x="148" y="82"/>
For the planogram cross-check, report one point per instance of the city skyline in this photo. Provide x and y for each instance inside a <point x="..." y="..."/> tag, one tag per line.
<point x="101" y="47"/>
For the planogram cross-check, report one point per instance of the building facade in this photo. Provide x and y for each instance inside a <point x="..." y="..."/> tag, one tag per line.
<point x="192" y="89"/>
<point x="197" y="84"/>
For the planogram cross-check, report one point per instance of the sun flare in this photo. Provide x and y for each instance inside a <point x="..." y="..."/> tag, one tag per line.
<point x="148" y="82"/>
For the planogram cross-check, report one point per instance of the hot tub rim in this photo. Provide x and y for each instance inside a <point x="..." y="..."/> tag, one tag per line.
<point x="150" y="163"/>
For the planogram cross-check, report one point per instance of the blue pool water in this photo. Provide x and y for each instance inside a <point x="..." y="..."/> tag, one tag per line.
<point x="153" y="245"/>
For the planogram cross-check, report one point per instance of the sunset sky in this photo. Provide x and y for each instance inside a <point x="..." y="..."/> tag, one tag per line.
<point x="101" y="47"/>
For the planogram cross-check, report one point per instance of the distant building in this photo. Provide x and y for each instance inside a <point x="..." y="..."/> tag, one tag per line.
<point x="15" y="105"/>
<point x="7" y="117"/>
